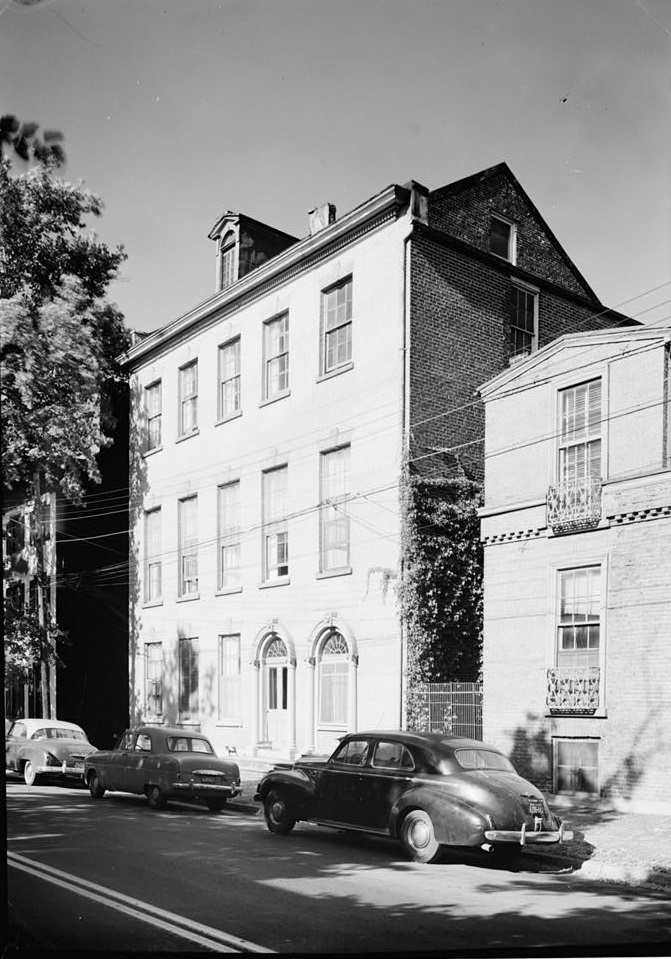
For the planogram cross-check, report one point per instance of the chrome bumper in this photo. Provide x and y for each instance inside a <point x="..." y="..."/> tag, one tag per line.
<point x="524" y="836"/>
<point x="225" y="790"/>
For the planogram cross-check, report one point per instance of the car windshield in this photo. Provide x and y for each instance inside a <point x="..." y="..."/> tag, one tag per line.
<point x="60" y="732"/>
<point x="483" y="759"/>
<point x="189" y="744"/>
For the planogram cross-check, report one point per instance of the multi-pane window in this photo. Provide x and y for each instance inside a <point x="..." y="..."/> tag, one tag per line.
<point x="152" y="396"/>
<point x="276" y="356"/>
<point x="337" y="326"/>
<point x="188" y="679"/>
<point x="228" y="508"/>
<point x="502" y="238"/>
<point x="524" y="322"/>
<point x="152" y="555"/>
<point x="334" y="529"/>
<point x="579" y="611"/>
<point x="154" y="679"/>
<point x="188" y="545"/>
<point x="229" y="676"/>
<point x="275" y="528"/>
<point x="333" y="677"/>
<point x="580" y="433"/>
<point x="188" y="398"/>
<point x="576" y="766"/>
<point x="228" y="260"/>
<point x="229" y="378"/>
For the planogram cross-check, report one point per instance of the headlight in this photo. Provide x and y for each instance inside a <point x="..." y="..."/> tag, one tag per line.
<point x="53" y="760"/>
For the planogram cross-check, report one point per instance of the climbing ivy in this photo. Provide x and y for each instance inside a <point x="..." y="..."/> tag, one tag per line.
<point x="440" y="594"/>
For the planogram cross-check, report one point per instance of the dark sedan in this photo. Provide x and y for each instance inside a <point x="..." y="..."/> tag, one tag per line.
<point x="163" y="764"/>
<point x="424" y="789"/>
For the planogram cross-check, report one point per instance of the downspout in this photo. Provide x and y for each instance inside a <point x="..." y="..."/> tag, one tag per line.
<point x="418" y="212"/>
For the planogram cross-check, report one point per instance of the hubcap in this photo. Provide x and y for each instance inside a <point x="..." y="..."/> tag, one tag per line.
<point x="419" y="834"/>
<point x="278" y="810"/>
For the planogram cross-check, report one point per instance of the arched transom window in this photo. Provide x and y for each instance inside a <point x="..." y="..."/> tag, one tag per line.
<point x="276" y="650"/>
<point x="333" y="680"/>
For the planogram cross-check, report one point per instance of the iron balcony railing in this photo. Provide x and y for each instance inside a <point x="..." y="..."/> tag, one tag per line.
<point x="574" y="505"/>
<point x="573" y="689"/>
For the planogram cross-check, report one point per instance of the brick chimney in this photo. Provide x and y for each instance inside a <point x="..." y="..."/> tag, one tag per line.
<point x="321" y="216"/>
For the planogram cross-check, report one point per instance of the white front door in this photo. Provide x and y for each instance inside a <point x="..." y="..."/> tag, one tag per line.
<point x="277" y="689"/>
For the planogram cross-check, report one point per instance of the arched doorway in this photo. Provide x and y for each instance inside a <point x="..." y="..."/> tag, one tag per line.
<point x="332" y="686"/>
<point x="275" y="692"/>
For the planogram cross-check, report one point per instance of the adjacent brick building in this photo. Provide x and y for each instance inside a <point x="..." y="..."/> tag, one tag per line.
<point x="271" y="427"/>
<point x="577" y="582"/>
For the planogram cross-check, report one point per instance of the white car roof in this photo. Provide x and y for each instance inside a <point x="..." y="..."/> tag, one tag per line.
<point x="33" y="724"/>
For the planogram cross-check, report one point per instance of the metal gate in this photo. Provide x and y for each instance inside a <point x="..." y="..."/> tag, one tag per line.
<point x="454" y="708"/>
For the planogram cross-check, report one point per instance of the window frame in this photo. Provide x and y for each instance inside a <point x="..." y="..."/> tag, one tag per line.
<point x="275" y="529"/>
<point x="152" y="416"/>
<point x="187" y="549"/>
<point x="562" y="445"/>
<point x="152" y="556"/>
<point x="223" y="413"/>
<point x="281" y="323"/>
<point x="188" y="401"/>
<point x="594" y="596"/>
<point x="558" y="741"/>
<point x="337" y="719"/>
<point x="326" y="369"/>
<point x="155" y="713"/>
<point x="228" y="538"/>
<point x="338" y="502"/>
<point x="227" y="260"/>
<point x="511" y="255"/>
<point x="229" y="683"/>
<point x="520" y="288"/>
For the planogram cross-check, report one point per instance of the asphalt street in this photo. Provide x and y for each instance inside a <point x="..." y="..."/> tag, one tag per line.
<point x="112" y="876"/>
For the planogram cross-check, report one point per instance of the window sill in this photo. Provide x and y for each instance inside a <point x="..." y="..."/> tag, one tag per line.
<point x="154" y="449"/>
<point x="600" y="714"/>
<point x="154" y="720"/>
<point x="280" y="581"/>
<point x="187" y="436"/>
<point x="229" y="417"/>
<point x="228" y="591"/>
<point x="236" y="723"/>
<point x="275" y="398"/>
<point x="187" y="598"/>
<point x="189" y="722"/>
<point x="345" y="368"/>
<point x="331" y="573"/>
<point x="150" y="604"/>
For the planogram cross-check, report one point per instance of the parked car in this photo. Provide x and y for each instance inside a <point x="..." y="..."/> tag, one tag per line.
<point x="46" y="747"/>
<point x="164" y="763"/>
<point x="425" y="789"/>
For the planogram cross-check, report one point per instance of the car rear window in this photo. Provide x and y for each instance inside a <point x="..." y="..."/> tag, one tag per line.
<point x="189" y="744"/>
<point x="59" y="732"/>
<point x="483" y="759"/>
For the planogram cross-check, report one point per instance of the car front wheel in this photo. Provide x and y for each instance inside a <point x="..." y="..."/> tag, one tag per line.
<point x="418" y="838"/>
<point x="96" y="790"/>
<point x="278" y="815"/>
<point x="30" y="776"/>
<point x="156" y="798"/>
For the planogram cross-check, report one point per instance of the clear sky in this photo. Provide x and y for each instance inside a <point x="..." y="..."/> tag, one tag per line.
<point x="175" y="110"/>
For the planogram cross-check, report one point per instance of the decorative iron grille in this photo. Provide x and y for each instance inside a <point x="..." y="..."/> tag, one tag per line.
<point x="454" y="708"/>
<point x="573" y="689"/>
<point x="574" y="505"/>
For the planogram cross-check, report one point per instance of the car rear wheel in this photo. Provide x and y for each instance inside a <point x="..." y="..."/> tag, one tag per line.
<point x="156" y="798"/>
<point x="278" y="815"/>
<point x="96" y="790"/>
<point x="418" y="838"/>
<point x="30" y="776"/>
<point x="216" y="805"/>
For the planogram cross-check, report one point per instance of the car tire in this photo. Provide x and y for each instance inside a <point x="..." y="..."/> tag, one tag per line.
<point x="277" y="812"/>
<point x="156" y="797"/>
<point x="96" y="790"/>
<point x="418" y="837"/>
<point x="216" y="805"/>
<point x="30" y="777"/>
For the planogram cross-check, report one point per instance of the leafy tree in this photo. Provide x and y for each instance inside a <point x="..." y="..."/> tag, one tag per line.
<point x="26" y="142"/>
<point x="441" y="593"/>
<point x="59" y="339"/>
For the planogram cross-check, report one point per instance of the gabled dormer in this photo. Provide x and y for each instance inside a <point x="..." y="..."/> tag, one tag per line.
<point x="243" y="244"/>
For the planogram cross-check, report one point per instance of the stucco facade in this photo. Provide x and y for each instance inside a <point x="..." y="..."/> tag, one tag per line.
<point x="577" y="584"/>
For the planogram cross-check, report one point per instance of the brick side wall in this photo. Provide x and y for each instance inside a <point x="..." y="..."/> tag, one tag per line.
<point x="466" y="213"/>
<point x="460" y="315"/>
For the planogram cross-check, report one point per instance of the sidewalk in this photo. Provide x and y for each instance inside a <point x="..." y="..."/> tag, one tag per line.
<point x="627" y="847"/>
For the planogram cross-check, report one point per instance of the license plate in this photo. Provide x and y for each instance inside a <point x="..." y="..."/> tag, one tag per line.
<point x="536" y="807"/>
<point x="210" y="779"/>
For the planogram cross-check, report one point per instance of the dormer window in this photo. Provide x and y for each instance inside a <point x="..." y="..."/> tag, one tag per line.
<point x="228" y="260"/>
<point x="502" y="238"/>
